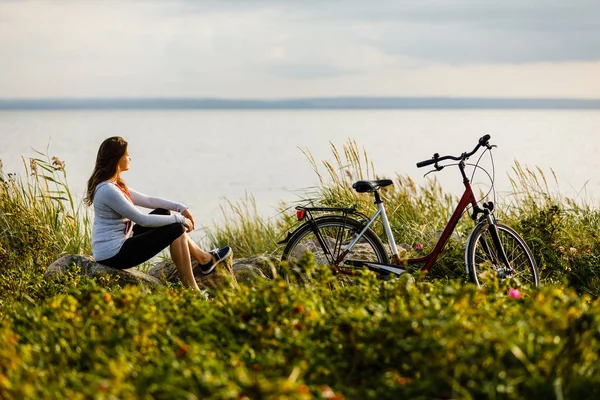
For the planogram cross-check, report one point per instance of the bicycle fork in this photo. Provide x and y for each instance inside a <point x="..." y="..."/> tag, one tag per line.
<point x="500" y="251"/>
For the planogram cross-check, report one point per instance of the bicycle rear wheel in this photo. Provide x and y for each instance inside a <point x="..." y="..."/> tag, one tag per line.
<point x="335" y="232"/>
<point x="484" y="261"/>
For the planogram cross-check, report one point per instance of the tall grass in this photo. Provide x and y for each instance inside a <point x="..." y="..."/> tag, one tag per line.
<point x="39" y="222"/>
<point x="564" y="233"/>
<point x="246" y="231"/>
<point x="414" y="211"/>
<point x="40" y="206"/>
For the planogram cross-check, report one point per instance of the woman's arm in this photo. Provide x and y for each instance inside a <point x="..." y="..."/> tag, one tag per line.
<point x="115" y="199"/>
<point x="140" y="199"/>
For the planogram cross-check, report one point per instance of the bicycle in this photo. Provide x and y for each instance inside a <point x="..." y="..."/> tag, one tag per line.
<point x="343" y="239"/>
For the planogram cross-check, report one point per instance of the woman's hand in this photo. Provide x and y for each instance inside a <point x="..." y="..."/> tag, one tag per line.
<point x="188" y="215"/>
<point x="189" y="225"/>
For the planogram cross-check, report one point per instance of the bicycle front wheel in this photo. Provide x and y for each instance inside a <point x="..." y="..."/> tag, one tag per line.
<point x="332" y="235"/>
<point x="484" y="258"/>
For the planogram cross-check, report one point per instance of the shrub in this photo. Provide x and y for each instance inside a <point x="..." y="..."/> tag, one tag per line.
<point x="368" y="340"/>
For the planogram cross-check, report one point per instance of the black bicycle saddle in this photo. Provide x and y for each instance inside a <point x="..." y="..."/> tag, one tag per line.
<point x="371" y="186"/>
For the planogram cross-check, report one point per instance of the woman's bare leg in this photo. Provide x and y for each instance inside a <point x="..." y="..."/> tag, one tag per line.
<point x="200" y="255"/>
<point x="180" y="254"/>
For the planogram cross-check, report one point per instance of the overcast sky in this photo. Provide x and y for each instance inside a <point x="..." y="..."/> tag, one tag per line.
<point x="301" y="48"/>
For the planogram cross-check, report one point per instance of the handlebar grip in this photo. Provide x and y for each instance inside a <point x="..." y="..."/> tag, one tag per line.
<point x="484" y="140"/>
<point x="425" y="163"/>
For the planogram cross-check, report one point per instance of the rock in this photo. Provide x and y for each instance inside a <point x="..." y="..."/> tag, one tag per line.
<point x="402" y="247"/>
<point x="221" y="276"/>
<point x="244" y="270"/>
<point x="361" y="251"/>
<point x="89" y="267"/>
<point x="248" y="274"/>
<point x="268" y="266"/>
<point x="228" y="273"/>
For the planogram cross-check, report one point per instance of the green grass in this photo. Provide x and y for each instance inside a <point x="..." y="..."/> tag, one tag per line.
<point x="564" y="233"/>
<point x="251" y="233"/>
<point x="441" y="337"/>
<point x="39" y="222"/>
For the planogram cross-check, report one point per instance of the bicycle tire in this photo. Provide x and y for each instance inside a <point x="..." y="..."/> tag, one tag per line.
<point x="337" y="232"/>
<point x="483" y="262"/>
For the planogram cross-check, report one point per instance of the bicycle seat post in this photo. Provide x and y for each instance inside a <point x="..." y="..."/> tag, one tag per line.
<point x="377" y="197"/>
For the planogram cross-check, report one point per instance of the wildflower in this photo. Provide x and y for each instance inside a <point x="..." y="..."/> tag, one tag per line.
<point x="103" y="385"/>
<point x="303" y="389"/>
<point x="328" y="393"/>
<point x="573" y="250"/>
<point x="419" y="246"/>
<point x="182" y="350"/>
<point x="57" y="164"/>
<point x="514" y="293"/>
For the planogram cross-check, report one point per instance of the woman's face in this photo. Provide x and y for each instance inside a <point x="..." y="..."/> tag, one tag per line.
<point x="124" y="162"/>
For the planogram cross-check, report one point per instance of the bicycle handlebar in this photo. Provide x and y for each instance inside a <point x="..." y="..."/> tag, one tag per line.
<point x="483" y="141"/>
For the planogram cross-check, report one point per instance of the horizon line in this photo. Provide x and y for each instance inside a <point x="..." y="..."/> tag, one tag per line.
<point x="333" y="102"/>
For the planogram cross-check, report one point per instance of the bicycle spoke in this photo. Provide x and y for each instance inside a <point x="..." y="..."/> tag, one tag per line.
<point x="485" y="263"/>
<point x="338" y="242"/>
<point x="329" y="241"/>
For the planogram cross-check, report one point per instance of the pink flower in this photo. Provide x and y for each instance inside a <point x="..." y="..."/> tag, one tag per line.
<point x="514" y="293"/>
<point x="419" y="247"/>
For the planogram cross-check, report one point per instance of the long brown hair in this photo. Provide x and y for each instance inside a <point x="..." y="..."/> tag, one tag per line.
<point x="109" y="154"/>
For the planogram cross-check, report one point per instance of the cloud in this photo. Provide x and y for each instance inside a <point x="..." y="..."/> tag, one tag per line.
<point x="475" y="32"/>
<point x="282" y="48"/>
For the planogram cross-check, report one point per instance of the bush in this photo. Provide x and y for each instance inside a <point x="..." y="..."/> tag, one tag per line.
<point x="368" y="340"/>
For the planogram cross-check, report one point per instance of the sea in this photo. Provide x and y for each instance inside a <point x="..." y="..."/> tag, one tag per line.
<point x="212" y="159"/>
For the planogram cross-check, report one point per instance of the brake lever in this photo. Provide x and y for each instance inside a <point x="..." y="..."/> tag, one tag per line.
<point x="436" y="169"/>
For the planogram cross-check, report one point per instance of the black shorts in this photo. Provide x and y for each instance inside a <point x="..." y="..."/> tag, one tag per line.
<point x="145" y="243"/>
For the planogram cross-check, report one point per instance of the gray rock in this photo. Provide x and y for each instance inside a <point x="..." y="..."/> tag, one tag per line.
<point x="88" y="267"/>
<point x="247" y="273"/>
<point x="267" y="265"/>
<point x="221" y="276"/>
<point x="229" y="272"/>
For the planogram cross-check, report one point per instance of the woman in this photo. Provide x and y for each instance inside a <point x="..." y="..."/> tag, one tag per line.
<point x="117" y="242"/>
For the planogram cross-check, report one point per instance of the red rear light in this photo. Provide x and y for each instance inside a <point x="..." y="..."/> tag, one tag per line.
<point x="300" y="214"/>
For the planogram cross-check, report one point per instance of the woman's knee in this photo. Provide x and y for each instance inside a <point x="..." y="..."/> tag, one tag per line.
<point x="180" y="240"/>
<point x="178" y="230"/>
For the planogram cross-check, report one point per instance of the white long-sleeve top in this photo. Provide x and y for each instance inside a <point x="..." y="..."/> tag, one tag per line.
<point x="113" y="211"/>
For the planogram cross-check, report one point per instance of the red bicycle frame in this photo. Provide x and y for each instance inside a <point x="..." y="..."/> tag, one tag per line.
<point x="468" y="198"/>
